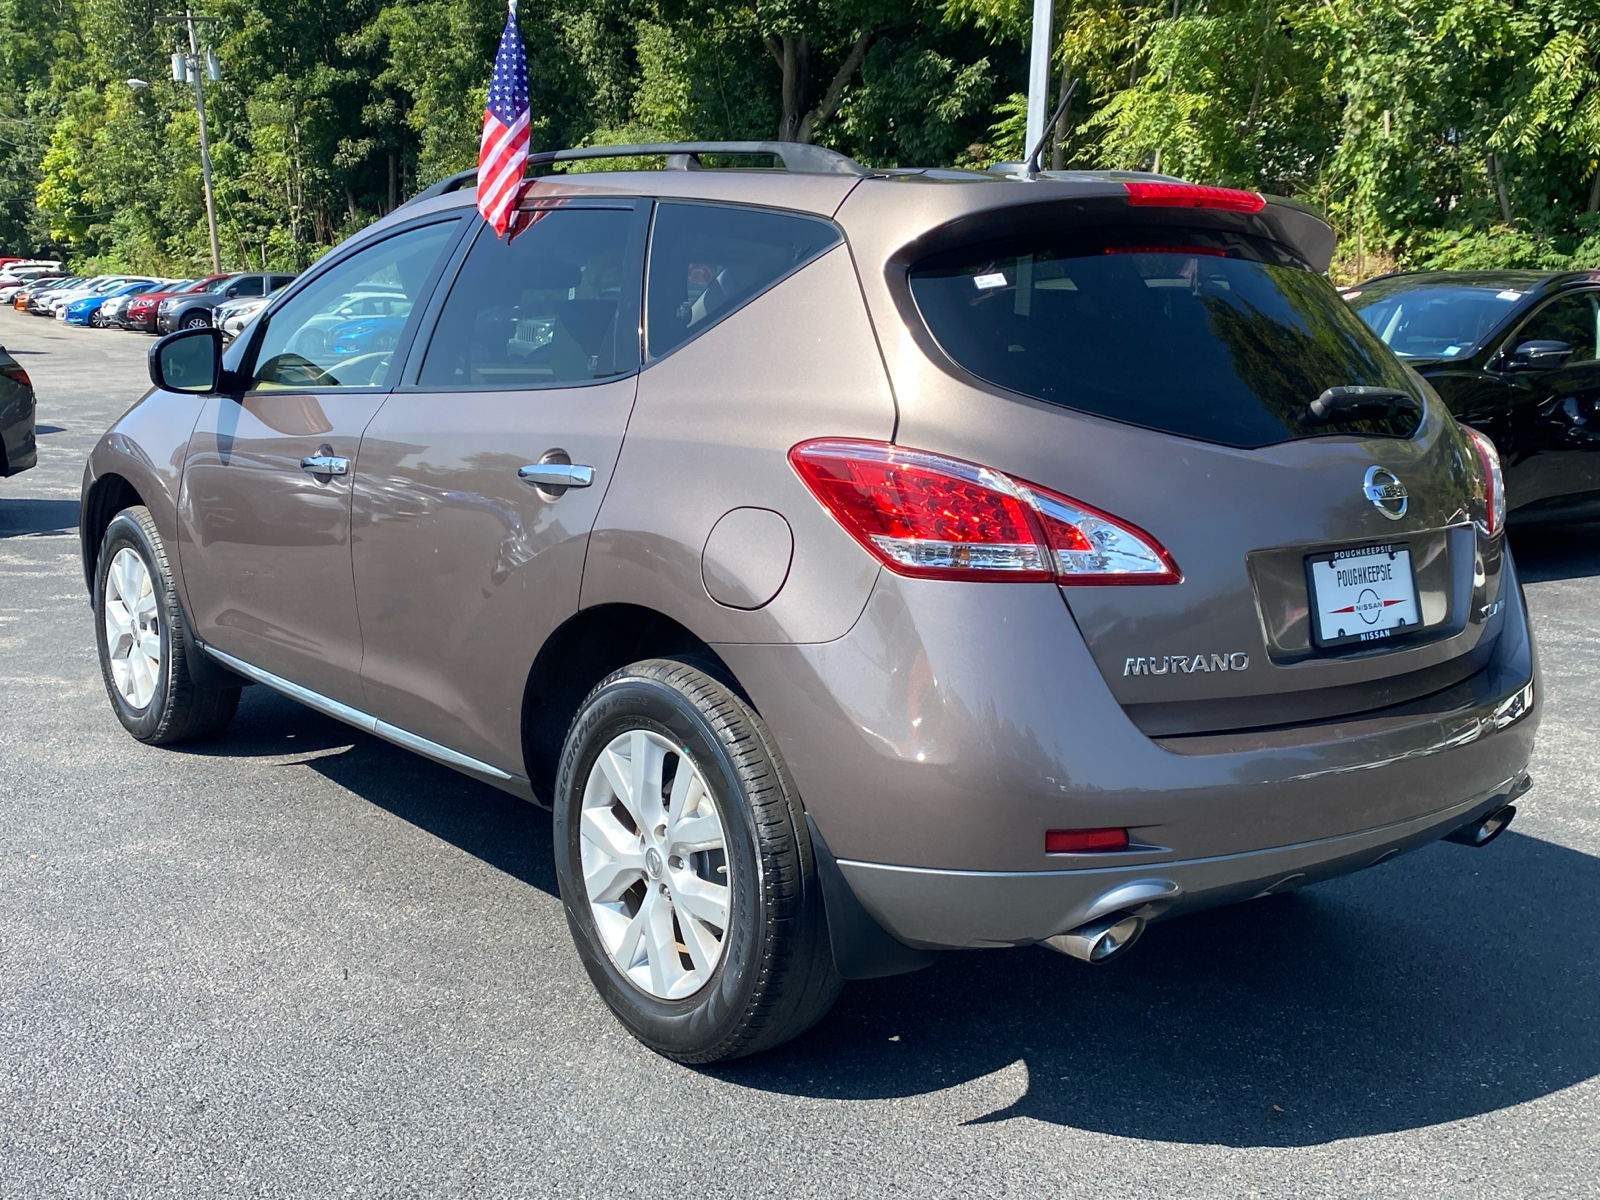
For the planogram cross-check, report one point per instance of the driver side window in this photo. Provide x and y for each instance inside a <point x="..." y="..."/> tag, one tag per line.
<point x="1572" y="319"/>
<point x="341" y="330"/>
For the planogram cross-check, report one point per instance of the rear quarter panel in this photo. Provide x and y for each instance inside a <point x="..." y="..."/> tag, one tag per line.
<point x="711" y="431"/>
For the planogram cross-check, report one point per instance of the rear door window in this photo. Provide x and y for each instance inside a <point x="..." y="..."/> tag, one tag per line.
<point x="706" y="260"/>
<point x="1201" y="333"/>
<point x="558" y="304"/>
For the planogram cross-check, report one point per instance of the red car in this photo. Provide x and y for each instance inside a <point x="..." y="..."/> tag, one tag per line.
<point x="140" y="312"/>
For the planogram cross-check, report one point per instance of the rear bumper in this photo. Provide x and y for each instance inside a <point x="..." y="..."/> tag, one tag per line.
<point x="937" y="742"/>
<point x="976" y="909"/>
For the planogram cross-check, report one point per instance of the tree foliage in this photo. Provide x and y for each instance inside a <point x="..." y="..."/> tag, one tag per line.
<point x="1447" y="132"/>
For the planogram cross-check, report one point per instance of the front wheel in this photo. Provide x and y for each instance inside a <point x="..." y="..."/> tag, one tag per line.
<point x="196" y="321"/>
<point x="686" y="870"/>
<point x="142" y="657"/>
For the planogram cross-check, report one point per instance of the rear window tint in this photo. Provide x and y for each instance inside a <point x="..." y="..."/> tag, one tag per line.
<point x="1210" y="335"/>
<point x="708" y="259"/>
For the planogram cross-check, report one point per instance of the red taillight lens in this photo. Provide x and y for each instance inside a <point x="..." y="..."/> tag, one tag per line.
<point x="924" y="514"/>
<point x="1079" y="841"/>
<point x="927" y="515"/>
<point x="1193" y="195"/>
<point x="1494" y="485"/>
<point x="15" y="372"/>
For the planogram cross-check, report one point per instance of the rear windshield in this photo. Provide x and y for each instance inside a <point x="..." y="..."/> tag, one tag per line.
<point x="1434" y="322"/>
<point x="1210" y="335"/>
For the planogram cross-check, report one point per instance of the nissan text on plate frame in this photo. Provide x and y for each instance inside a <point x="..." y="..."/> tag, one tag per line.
<point x="1047" y="623"/>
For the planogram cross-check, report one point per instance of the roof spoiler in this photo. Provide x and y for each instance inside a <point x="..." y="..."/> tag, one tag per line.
<point x="1303" y="227"/>
<point x="798" y="158"/>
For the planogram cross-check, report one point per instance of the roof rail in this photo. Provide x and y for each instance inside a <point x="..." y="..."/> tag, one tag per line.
<point x="450" y="183"/>
<point x="796" y="157"/>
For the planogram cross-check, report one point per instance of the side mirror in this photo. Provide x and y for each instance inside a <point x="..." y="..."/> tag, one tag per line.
<point x="188" y="361"/>
<point x="1539" y="356"/>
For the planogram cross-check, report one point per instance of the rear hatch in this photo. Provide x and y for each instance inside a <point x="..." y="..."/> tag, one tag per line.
<point x="1163" y="366"/>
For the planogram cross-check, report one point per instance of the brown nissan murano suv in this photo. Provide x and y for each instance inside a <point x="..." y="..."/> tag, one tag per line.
<point x="860" y="563"/>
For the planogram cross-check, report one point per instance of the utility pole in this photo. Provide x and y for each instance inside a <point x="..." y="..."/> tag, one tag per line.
<point x="1039" y="72"/>
<point x="188" y="68"/>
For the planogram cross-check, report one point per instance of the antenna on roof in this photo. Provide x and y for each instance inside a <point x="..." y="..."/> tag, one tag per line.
<point x="1032" y="169"/>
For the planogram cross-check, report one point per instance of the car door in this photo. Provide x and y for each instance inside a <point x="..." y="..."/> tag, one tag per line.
<point x="265" y="506"/>
<point x="1555" y="452"/>
<point x="470" y="526"/>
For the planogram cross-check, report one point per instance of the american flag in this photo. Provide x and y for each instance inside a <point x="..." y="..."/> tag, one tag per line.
<point x="503" y="152"/>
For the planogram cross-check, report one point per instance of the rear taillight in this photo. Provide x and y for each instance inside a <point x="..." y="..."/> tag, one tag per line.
<point x="1193" y="195"/>
<point x="16" y="373"/>
<point x="1494" y="484"/>
<point x="930" y="516"/>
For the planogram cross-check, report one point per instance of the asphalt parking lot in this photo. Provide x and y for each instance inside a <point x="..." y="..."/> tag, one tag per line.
<point x="302" y="962"/>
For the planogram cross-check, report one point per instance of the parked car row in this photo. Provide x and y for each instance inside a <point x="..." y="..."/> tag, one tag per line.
<point x="142" y="302"/>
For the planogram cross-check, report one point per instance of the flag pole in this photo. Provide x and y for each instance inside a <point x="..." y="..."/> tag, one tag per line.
<point x="1038" y="70"/>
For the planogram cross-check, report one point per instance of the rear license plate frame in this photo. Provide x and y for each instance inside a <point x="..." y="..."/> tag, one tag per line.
<point x="1398" y="552"/>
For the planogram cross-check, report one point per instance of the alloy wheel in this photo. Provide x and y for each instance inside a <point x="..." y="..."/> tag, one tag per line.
<point x="132" y="628"/>
<point x="655" y="865"/>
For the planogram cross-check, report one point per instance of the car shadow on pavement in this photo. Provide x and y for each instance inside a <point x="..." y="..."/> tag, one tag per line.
<point x="1549" y="552"/>
<point x="1443" y="985"/>
<point x="504" y="831"/>
<point x="1439" y="986"/>
<point x="23" y="516"/>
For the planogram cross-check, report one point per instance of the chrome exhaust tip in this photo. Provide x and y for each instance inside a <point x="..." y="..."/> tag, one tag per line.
<point x="1485" y="829"/>
<point x="1099" y="941"/>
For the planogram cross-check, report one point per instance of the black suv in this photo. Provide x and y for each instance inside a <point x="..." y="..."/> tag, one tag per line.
<point x="192" y="310"/>
<point x="1514" y="354"/>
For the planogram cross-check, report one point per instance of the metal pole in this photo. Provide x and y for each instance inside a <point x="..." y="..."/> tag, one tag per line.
<point x="196" y="70"/>
<point x="1039" y="72"/>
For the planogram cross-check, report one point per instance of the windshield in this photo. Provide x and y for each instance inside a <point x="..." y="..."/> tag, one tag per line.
<point x="1206" y="334"/>
<point x="216" y="285"/>
<point x="1434" y="322"/>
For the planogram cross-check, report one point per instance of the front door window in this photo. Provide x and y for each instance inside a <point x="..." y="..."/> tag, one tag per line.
<point x="340" y="331"/>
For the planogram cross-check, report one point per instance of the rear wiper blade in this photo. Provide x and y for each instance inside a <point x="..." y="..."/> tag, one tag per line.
<point x="1352" y="400"/>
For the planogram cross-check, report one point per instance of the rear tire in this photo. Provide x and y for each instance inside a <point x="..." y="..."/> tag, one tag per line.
<point x="768" y="975"/>
<point x="139" y="632"/>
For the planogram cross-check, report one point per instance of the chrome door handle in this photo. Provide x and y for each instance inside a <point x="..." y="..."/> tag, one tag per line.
<point x="556" y="475"/>
<point x="325" y="464"/>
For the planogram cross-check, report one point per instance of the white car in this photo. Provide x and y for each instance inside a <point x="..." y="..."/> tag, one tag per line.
<point x="11" y="284"/>
<point x="232" y="316"/>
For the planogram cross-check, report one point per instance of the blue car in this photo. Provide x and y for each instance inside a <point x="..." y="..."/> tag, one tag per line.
<point x="87" y="310"/>
<point x="365" y="335"/>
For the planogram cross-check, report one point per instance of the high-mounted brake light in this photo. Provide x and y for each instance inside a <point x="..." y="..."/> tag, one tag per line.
<point x="1494" y="486"/>
<point x="1215" y="251"/>
<point x="927" y="515"/>
<point x="1193" y="195"/>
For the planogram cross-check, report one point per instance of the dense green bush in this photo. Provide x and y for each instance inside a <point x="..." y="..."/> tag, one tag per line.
<point x="1431" y="132"/>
